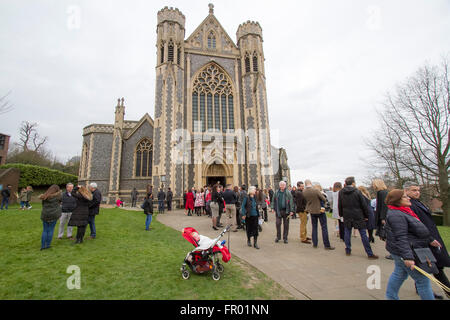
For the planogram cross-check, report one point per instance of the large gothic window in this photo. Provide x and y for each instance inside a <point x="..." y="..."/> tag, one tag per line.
<point x="144" y="153"/>
<point x="212" y="101"/>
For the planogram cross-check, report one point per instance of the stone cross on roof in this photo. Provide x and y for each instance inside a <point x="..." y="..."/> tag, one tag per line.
<point x="211" y="8"/>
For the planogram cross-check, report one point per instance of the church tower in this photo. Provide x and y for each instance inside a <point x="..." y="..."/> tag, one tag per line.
<point x="169" y="97"/>
<point x="255" y="112"/>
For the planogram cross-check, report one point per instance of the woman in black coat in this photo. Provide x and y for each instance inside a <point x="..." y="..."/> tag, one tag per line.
<point x="405" y="232"/>
<point x="381" y="210"/>
<point x="80" y="216"/>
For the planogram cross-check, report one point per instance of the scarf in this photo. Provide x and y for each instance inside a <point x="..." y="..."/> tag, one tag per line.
<point x="406" y="210"/>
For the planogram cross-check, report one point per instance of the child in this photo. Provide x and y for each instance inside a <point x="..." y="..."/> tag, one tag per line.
<point x="29" y="193"/>
<point x="23" y="198"/>
<point x="119" y="203"/>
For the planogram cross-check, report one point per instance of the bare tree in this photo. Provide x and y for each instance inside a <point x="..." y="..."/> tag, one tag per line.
<point x="415" y="135"/>
<point x="5" y="105"/>
<point x="28" y="135"/>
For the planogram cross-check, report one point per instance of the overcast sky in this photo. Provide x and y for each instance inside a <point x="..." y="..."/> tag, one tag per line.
<point x="328" y="66"/>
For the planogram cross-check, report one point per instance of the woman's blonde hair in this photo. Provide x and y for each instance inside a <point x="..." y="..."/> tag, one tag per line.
<point x="85" y="193"/>
<point x="378" y="185"/>
<point x="317" y="186"/>
<point x="364" y="191"/>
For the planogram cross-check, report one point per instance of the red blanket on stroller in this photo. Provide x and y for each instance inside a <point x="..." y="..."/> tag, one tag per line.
<point x="187" y="234"/>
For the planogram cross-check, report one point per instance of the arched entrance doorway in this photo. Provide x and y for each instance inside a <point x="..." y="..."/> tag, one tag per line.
<point x="215" y="173"/>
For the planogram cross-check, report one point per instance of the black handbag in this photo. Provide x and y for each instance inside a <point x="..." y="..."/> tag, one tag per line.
<point x="381" y="232"/>
<point x="425" y="260"/>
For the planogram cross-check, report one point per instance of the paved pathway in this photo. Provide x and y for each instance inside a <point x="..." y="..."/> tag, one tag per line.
<point x="307" y="273"/>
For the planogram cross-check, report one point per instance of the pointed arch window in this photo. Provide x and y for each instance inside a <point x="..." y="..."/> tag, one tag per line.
<point x="247" y="63"/>
<point x="161" y="50"/>
<point x="144" y="155"/>
<point x="170" y="51"/>
<point x="85" y="161"/>
<point x="255" y="62"/>
<point x="211" y="40"/>
<point x="178" y="56"/>
<point x="212" y="100"/>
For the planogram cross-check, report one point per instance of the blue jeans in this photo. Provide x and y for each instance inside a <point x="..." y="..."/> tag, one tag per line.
<point x="91" y="221"/>
<point x="47" y="234"/>
<point x="22" y="204"/>
<point x="364" y="239"/>
<point x="5" y="201"/>
<point x="400" y="274"/>
<point x="323" y="224"/>
<point x="160" y="206"/>
<point x="148" y="221"/>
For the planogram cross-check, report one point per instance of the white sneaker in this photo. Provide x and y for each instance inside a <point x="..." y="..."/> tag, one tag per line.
<point x="30" y="207"/>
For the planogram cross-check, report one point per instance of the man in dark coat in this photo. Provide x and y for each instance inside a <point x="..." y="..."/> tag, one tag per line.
<point x="6" y="194"/>
<point x="221" y="207"/>
<point x="424" y="213"/>
<point x="169" y="199"/>
<point x="134" y="196"/>
<point x="242" y="196"/>
<point x="353" y="208"/>
<point x="270" y="195"/>
<point x="161" y="199"/>
<point x="94" y="208"/>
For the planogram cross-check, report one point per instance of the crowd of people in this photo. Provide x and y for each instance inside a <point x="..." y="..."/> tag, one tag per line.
<point x="397" y="217"/>
<point x="74" y="207"/>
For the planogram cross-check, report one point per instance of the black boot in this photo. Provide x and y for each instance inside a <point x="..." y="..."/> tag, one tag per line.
<point x="371" y="238"/>
<point x="249" y="243"/>
<point x="255" y="242"/>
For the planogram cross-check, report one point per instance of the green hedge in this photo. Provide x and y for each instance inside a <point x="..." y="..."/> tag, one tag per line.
<point x="35" y="176"/>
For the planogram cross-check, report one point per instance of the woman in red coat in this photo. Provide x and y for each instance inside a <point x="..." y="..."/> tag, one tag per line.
<point x="190" y="202"/>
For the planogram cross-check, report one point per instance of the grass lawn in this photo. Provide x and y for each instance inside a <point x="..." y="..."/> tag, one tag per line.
<point x="124" y="262"/>
<point x="445" y="235"/>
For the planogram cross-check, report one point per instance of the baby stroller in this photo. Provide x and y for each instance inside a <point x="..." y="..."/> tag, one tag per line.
<point x="202" y="260"/>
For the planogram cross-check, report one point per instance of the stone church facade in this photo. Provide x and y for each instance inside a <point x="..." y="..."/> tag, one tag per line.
<point x="210" y="123"/>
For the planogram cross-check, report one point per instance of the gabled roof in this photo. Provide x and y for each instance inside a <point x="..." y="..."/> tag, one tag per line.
<point x="211" y="17"/>
<point x="145" y="118"/>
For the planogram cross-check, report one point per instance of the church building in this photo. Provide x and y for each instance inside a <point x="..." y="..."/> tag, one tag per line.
<point x="210" y="123"/>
